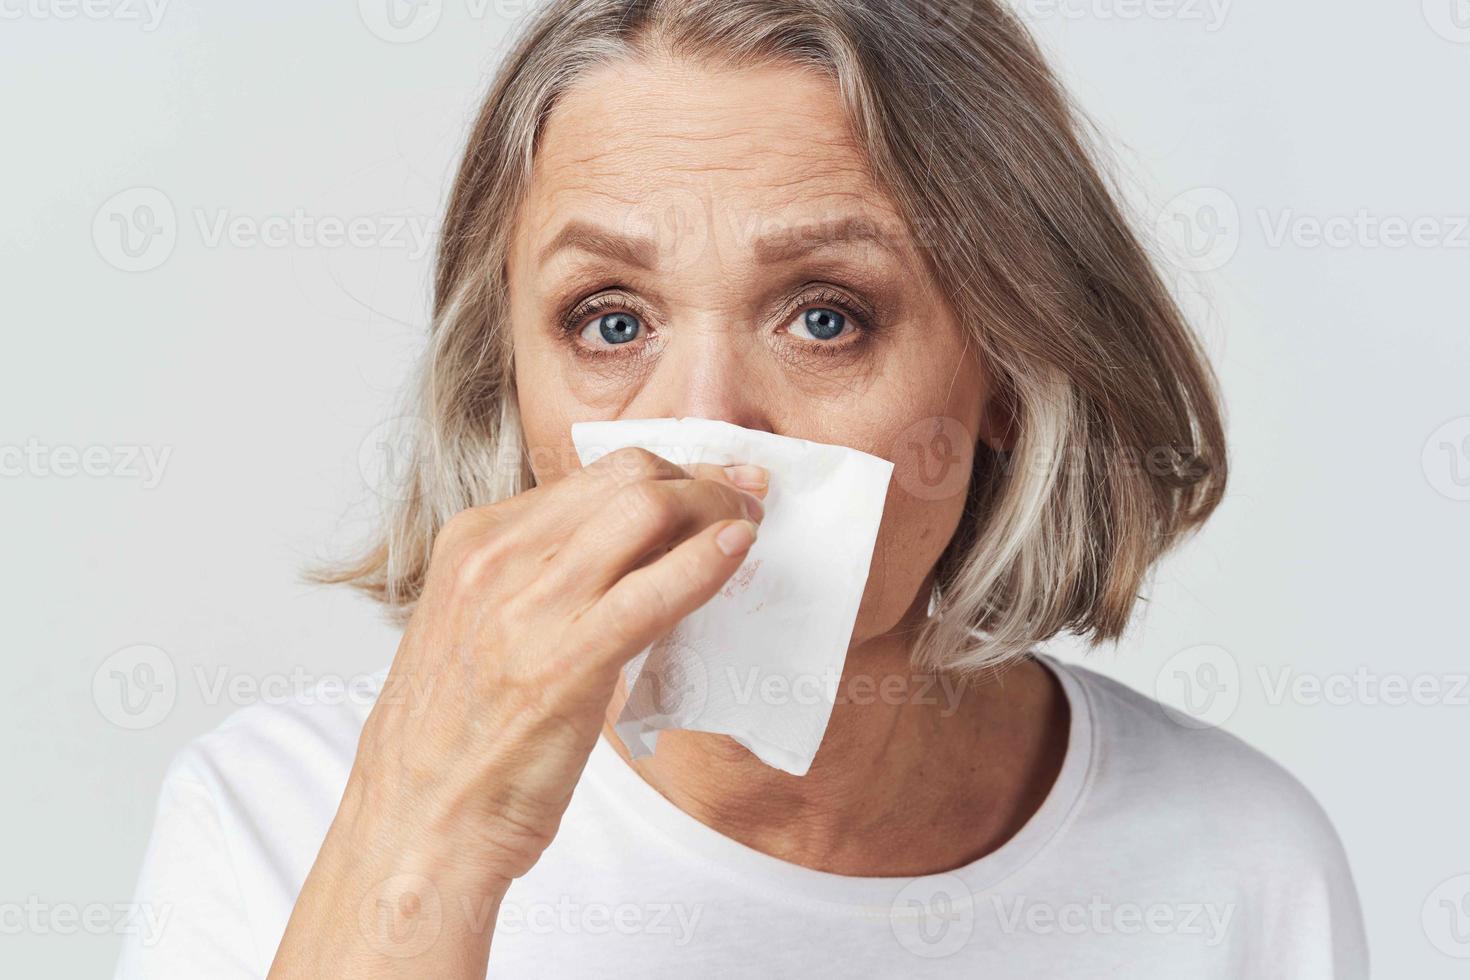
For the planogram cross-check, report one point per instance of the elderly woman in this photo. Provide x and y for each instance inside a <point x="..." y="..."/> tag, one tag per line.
<point x="847" y="222"/>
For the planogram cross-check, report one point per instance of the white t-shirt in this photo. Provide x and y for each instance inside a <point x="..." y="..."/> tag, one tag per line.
<point x="1162" y="851"/>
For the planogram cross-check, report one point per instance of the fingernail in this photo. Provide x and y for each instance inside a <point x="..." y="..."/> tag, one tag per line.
<point x="736" y="538"/>
<point x="754" y="509"/>
<point x="748" y="476"/>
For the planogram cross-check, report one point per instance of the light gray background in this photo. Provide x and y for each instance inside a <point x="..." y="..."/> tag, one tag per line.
<point x="262" y="369"/>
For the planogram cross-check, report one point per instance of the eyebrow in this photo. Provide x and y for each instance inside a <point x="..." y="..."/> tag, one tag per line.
<point x="584" y="236"/>
<point x="771" y="249"/>
<point x="793" y="243"/>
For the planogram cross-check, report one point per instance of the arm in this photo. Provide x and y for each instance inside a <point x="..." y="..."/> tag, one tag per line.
<point x="530" y="608"/>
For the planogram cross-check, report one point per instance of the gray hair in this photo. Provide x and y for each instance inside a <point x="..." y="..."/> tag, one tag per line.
<point x="1119" y="446"/>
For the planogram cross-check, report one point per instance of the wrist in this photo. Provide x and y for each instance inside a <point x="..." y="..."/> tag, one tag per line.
<point x="416" y="840"/>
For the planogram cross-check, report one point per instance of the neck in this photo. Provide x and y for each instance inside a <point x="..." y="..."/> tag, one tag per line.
<point x="917" y="773"/>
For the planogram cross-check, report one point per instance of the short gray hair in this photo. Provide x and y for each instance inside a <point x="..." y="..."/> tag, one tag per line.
<point x="1119" y="447"/>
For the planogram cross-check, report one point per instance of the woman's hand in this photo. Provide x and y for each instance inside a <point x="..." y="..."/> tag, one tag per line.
<point x="495" y="700"/>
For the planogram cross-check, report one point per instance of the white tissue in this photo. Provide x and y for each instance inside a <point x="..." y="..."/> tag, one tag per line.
<point x="761" y="661"/>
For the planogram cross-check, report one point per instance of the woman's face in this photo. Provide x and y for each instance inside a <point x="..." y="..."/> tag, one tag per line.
<point x="700" y="243"/>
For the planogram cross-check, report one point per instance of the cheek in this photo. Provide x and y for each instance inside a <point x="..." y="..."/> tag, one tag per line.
<point x="932" y="447"/>
<point x="920" y="517"/>
<point x="546" y="414"/>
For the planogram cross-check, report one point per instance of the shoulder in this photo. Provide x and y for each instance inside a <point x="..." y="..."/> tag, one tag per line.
<point x="241" y="813"/>
<point x="275" y="769"/>
<point x="1191" y="815"/>
<point x="271" y="774"/>
<point x="291" y="737"/>
<point x="1182" y="779"/>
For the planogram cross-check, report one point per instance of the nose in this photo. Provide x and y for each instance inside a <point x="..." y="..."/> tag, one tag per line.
<point x="709" y="372"/>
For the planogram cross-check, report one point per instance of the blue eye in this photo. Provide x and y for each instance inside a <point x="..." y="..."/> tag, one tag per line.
<point x="615" y="328"/>
<point x="822" y="323"/>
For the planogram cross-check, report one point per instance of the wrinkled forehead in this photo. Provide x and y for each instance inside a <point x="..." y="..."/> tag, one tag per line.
<point x="660" y="161"/>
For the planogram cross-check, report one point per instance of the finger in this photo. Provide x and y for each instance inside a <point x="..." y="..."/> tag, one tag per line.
<point x="645" y="521"/>
<point x="563" y="506"/>
<point x="648" y="602"/>
<point x="559" y="506"/>
<point x="747" y="476"/>
<point x="543" y="517"/>
<point x="631" y="464"/>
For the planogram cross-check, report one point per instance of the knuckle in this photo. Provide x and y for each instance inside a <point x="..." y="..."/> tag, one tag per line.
<point x="455" y="532"/>
<point x="631" y="463"/>
<point x="647" y="509"/>
<point x="471" y="566"/>
<point x="468" y="550"/>
<point x="515" y="615"/>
